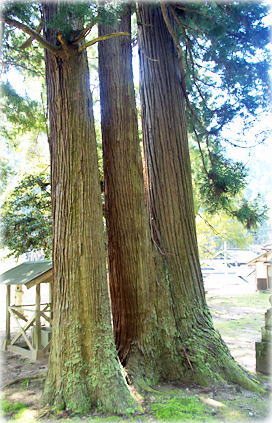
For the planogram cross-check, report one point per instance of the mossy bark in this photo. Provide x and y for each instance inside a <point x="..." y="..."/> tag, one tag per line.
<point x="84" y="371"/>
<point x="191" y="349"/>
<point x="131" y="264"/>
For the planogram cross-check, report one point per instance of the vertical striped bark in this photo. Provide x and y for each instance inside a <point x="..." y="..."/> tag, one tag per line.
<point x="83" y="369"/>
<point x="195" y="350"/>
<point x="131" y="265"/>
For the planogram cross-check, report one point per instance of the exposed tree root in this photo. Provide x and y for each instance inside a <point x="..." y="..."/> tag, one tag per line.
<point x="23" y="379"/>
<point x="202" y="359"/>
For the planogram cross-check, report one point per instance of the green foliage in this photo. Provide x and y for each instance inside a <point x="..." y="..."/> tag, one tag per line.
<point x="26" y="217"/>
<point x="85" y="13"/>
<point x="226" y="59"/>
<point x="6" y="172"/>
<point x="212" y="230"/>
<point x="26" y="12"/>
<point x="223" y="180"/>
<point x="23" y="115"/>
<point x="251" y="212"/>
<point x="183" y="408"/>
<point x="226" y="52"/>
<point x="30" y="60"/>
<point x="71" y="15"/>
<point x="219" y="186"/>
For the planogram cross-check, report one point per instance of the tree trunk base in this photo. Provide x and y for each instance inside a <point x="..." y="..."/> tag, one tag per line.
<point x="209" y="361"/>
<point x="200" y="360"/>
<point x="83" y="396"/>
<point x="84" y="383"/>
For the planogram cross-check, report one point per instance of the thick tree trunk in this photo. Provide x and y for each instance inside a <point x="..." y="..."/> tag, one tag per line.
<point x="84" y="371"/>
<point x="131" y="264"/>
<point x="195" y="351"/>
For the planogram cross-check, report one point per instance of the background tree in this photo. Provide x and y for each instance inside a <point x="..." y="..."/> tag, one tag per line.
<point x="213" y="230"/>
<point x="83" y="367"/>
<point x="6" y="172"/>
<point x="22" y="115"/>
<point x="26" y="217"/>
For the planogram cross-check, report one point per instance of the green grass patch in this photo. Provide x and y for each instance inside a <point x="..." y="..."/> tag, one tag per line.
<point x="235" y="325"/>
<point x="183" y="408"/>
<point x="106" y="419"/>
<point x="10" y="407"/>
<point x="258" y="300"/>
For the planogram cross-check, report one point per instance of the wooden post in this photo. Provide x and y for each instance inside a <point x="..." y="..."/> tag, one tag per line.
<point x="19" y="295"/>
<point x="38" y="318"/>
<point x="51" y="302"/>
<point x="7" y="315"/>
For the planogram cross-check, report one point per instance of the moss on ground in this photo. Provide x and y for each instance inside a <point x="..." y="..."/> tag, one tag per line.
<point x="181" y="408"/>
<point x="219" y="405"/>
<point x="224" y="404"/>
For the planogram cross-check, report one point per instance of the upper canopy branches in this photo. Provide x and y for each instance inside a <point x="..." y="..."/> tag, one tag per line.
<point x="33" y="34"/>
<point x="224" y="49"/>
<point x="224" y="62"/>
<point x="63" y="44"/>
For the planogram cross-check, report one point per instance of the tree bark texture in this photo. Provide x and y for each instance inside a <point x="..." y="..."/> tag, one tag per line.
<point x="84" y="370"/>
<point x="131" y="264"/>
<point x="193" y="349"/>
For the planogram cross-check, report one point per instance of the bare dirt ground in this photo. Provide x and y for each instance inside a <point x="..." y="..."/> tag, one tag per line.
<point x="238" y="312"/>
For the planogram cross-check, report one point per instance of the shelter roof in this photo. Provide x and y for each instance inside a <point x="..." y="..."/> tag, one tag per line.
<point x="236" y="254"/>
<point x="264" y="258"/>
<point x="28" y="273"/>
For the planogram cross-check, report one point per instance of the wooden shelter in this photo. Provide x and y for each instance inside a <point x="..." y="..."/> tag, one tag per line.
<point x="32" y="339"/>
<point x="263" y="270"/>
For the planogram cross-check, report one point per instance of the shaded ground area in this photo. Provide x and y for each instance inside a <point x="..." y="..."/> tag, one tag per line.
<point x="15" y="367"/>
<point x="238" y="313"/>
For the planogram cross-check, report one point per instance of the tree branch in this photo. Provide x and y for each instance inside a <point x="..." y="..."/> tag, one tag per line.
<point x="63" y="43"/>
<point x="186" y="9"/>
<point x="84" y="33"/>
<point x="28" y="42"/>
<point x="102" y="38"/>
<point x="23" y="379"/>
<point x="34" y="34"/>
<point x="208" y="224"/>
<point x="11" y="63"/>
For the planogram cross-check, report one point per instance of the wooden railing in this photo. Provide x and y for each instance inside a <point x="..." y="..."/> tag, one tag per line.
<point x="33" y="349"/>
